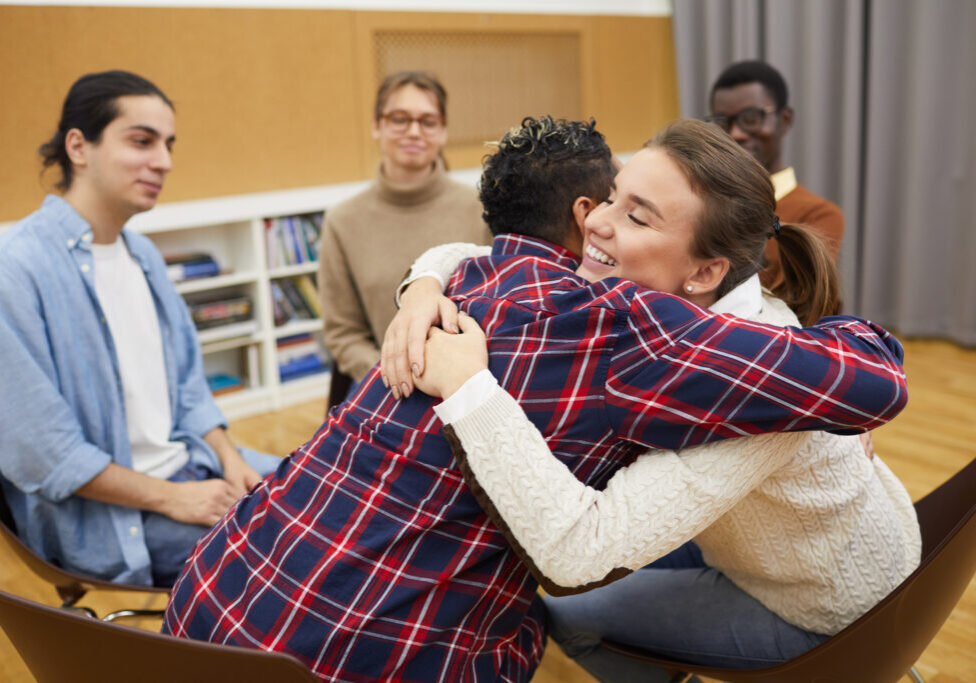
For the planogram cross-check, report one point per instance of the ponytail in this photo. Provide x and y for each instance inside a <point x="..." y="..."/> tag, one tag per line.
<point x="810" y="283"/>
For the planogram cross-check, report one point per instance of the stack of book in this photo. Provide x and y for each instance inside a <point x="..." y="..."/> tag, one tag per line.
<point x="189" y="266"/>
<point x="294" y="298"/>
<point x="216" y="312"/>
<point x="292" y="240"/>
<point x="300" y="355"/>
<point x="221" y="383"/>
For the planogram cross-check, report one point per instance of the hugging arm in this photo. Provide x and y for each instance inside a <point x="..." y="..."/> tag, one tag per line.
<point x="575" y="538"/>
<point x="572" y="537"/>
<point x="681" y="376"/>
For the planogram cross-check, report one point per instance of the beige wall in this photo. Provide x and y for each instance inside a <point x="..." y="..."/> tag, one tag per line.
<point x="274" y="99"/>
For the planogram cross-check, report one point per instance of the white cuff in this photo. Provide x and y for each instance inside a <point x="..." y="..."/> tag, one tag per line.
<point x="413" y="278"/>
<point x="469" y="397"/>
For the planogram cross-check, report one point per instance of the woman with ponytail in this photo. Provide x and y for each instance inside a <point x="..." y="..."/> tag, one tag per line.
<point x="759" y="548"/>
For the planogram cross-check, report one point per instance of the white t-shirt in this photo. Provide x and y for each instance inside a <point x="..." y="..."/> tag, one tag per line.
<point x="131" y="314"/>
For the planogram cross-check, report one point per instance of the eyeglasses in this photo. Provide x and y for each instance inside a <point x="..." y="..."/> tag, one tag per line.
<point x="400" y="122"/>
<point x="750" y="119"/>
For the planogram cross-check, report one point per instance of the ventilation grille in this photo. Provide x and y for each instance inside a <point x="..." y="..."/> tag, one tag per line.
<point x="492" y="80"/>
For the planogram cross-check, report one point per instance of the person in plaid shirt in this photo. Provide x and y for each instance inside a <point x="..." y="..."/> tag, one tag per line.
<point x="365" y="555"/>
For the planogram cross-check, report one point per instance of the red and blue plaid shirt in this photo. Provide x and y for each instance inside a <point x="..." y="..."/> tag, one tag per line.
<point x="366" y="556"/>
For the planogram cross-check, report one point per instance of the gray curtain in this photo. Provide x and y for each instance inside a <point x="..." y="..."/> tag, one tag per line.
<point x="884" y="91"/>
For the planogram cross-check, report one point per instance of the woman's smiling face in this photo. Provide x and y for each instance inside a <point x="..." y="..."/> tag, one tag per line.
<point x="644" y="231"/>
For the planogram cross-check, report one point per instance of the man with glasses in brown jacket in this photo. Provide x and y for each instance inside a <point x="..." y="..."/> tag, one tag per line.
<point x="749" y="101"/>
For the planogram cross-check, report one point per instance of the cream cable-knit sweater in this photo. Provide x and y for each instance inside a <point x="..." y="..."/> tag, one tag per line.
<point x="805" y="522"/>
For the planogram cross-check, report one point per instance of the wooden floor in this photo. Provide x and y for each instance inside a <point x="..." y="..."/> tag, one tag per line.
<point x="934" y="437"/>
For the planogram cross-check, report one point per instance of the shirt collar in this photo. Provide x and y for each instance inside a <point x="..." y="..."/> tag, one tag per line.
<point x="784" y="182"/>
<point x="744" y="301"/>
<point x="73" y="231"/>
<point x="68" y="226"/>
<point x="510" y="244"/>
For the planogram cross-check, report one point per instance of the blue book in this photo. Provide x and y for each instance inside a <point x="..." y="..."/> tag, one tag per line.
<point x="177" y="272"/>
<point x="299" y="367"/>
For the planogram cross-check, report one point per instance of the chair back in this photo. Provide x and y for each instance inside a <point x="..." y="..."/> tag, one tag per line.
<point x="59" y="646"/>
<point x="69" y="585"/>
<point x="883" y="644"/>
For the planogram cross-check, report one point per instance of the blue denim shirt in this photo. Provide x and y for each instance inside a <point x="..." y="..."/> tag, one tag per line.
<point x="62" y="409"/>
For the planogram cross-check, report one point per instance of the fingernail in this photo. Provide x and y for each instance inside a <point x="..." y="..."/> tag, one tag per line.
<point x="406" y="389"/>
<point x="416" y="370"/>
<point x="395" y="391"/>
<point x="452" y="327"/>
<point x="386" y="382"/>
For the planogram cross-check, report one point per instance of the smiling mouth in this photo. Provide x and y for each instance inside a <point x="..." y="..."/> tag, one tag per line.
<point x="598" y="255"/>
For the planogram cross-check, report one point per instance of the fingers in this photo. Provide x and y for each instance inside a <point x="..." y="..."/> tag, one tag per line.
<point x="415" y="349"/>
<point x="393" y="360"/>
<point x="448" y="313"/>
<point x="469" y="325"/>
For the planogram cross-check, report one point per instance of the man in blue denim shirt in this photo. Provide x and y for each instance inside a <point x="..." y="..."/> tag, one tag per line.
<point x="114" y="458"/>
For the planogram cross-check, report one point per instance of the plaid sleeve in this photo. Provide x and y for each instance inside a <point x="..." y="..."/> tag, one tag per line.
<point x="680" y="376"/>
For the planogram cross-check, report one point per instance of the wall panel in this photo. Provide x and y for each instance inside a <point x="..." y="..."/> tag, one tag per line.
<point x="274" y="99"/>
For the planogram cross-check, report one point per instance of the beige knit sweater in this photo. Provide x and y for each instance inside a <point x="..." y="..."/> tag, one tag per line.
<point x="368" y="243"/>
<point x="805" y="523"/>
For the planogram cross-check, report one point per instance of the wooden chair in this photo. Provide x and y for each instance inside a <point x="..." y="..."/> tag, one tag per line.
<point x="59" y="646"/>
<point x="71" y="587"/>
<point x="884" y="643"/>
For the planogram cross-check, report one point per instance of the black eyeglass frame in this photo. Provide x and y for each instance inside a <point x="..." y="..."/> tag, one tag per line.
<point x="726" y="121"/>
<point x="428" y="123"/>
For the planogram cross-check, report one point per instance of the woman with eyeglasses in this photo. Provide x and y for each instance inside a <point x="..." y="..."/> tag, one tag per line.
<point x="370" y="240"/>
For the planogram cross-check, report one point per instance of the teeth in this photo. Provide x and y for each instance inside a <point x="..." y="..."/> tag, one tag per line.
<point x="598" y="255"/>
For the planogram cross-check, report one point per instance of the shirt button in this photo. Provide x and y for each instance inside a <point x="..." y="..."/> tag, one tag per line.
<point x="133" y="531"/>
<point x="71" y="243"/>
<point x="88" y="237"/>
<point x="85" y="267"/>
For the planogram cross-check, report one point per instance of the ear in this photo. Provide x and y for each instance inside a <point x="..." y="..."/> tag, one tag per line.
<point x="76" y="147"/>
<point x="786" y="118"/>
<point x="376" y="129"/>
<point x="581" y="209"/>
<point x="708" y="276"/>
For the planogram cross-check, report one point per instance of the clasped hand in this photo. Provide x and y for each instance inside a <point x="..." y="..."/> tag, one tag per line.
<point x="417" y="353"/>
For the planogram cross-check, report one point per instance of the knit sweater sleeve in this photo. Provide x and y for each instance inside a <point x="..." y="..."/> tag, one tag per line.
<point x="440" y="262"/>
<point x="575" y="538"/>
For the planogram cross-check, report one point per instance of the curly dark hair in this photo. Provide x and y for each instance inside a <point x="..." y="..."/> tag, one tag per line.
<point x="529" y="185"/>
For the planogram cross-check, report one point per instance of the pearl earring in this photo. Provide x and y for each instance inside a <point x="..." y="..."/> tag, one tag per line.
<point x="690" y="289"/>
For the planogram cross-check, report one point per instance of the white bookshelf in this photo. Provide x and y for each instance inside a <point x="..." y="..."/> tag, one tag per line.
<point x="232" y="230"/>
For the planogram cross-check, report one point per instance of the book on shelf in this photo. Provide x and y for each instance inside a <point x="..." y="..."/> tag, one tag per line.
<point x="222" y="383"/>
<point x="219" y="312"/>
<point x="281" y="307"/>
<point x="191" y="265"/>
<point x="227" y="331"/>
<point x="300" y="355"/>
<point x="311" y="294"/>
<point x="292" y="240"/>
<point x="294" y="298"/>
